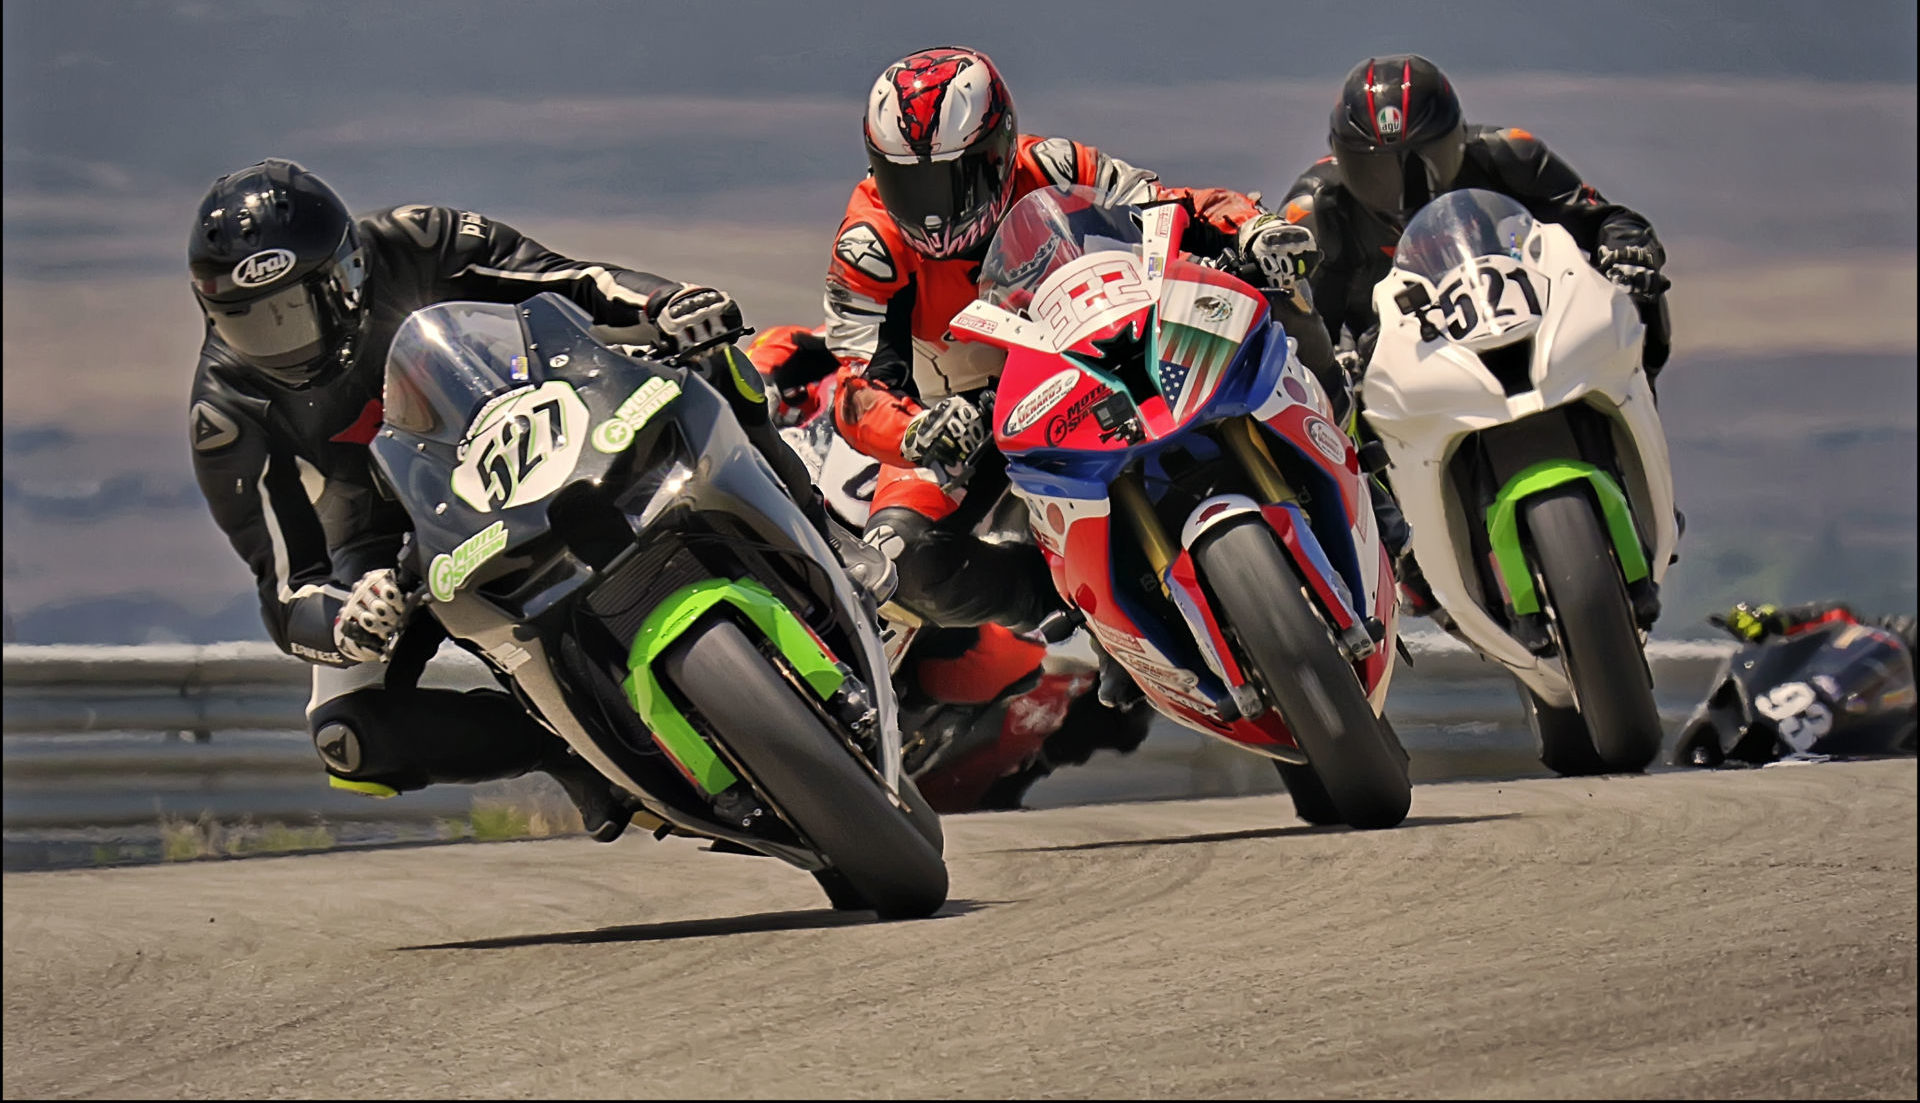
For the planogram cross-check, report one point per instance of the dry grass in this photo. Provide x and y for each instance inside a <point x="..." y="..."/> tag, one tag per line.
<point x="538" y="815"/>
<point x="183" y="840"/>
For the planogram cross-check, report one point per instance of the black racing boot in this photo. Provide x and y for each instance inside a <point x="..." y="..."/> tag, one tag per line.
<point x="866" y="565"/>
<point x="604" y="811"/>
<point x="1117" y="690"/>
<point x="1416" y="597"/>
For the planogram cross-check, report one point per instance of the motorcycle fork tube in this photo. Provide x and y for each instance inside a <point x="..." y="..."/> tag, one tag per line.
<point x="1242" y="439"/>
<point x="1132" y="500"/>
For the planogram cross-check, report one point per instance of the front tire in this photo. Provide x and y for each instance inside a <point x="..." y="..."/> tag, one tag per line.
<point x="1594" y="621"/>
<point x="880" y="854"/>
<point x="1362" y="769"/>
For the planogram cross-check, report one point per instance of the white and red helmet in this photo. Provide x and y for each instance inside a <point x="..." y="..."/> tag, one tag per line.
<point x="941" y="141"/>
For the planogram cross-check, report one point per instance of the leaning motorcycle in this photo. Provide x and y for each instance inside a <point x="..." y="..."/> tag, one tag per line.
<point x="598" y="528"/>
<point x="1194" y="501"/>
<point x="1507" y="389"/>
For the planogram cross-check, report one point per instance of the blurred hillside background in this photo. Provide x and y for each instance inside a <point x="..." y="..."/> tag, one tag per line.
<point x="1771" y="143"/>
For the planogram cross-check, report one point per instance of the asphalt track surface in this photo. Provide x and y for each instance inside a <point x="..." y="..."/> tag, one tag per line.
<point x="1746" y="934"/>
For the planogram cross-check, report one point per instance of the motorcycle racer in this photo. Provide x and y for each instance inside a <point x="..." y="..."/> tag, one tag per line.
<point x="947" y="161"/>
<point x="1399" y="138"/>
<point x="956" y="686"/>
<point x="793" y="360"/>
<point x="301" y="301"/>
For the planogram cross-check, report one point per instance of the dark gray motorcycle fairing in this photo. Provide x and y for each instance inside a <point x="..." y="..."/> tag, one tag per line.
<point x="557" y="606"/>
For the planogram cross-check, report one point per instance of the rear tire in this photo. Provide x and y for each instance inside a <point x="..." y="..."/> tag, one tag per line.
<point x="1359" y="764"/>
<point x="1594" y="621"/>
<point x="884" y="856"/>
<point x="1561" y="736"/>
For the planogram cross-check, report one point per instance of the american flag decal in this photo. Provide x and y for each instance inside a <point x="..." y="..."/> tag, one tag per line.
<point x="1201" y="328"/>
<point x="1194" y="358"/>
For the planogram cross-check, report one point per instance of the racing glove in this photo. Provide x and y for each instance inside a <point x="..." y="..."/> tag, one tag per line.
<point x="945" y="435"/>
<point x="689" y="315"/>
<point x="370" y="617"/>
<point x="1634" y="267"/>
<point x="1286" y="252"/>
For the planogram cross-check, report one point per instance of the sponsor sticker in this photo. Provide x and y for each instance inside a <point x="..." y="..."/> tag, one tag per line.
<point x="973" y="323"/>
<point x="1069" y="419"/>
<point x="1050" y="393"/>
<point x="617" y="432"/>
<point x="450" y="570"/>
<point x="1327" y="440"/>
<point x="263" y="268"/>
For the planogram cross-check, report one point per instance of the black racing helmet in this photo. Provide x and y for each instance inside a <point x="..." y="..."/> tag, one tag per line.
<point x="1397" y="134"/>
<point x="278" y="269"/>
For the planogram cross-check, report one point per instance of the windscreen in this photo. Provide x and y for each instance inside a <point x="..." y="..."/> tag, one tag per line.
<point x="1047" y="229"/>
<point x="447" y="361"/>
<point x="1459" y="227"/>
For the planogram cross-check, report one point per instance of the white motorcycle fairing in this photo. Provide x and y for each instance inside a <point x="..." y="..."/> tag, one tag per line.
<point x="1426" y="394"/>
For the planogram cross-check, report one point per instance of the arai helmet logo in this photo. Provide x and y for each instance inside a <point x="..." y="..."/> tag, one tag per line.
<point x="1388" y="119"/>
<point x="263" y="267"/>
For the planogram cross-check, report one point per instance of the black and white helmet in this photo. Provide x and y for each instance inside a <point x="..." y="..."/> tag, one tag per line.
<point x="941" y="143"/>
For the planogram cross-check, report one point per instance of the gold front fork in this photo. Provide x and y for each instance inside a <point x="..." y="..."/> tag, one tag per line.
<point x="1243" y="439"/>
<point x="1132" y="500"/>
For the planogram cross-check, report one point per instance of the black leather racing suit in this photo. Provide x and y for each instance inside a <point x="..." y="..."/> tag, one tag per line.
<point x="1356" y="245"/>
<point x="289" y="479"/>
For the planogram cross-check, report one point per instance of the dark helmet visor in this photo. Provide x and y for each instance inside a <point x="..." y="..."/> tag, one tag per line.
<point x="1397" y="180"/>
<point x="288" y="334"/>
<point x="940" y="205"/>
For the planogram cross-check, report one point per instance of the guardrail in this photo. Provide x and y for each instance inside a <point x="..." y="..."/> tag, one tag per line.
<point x="81" y="725"/>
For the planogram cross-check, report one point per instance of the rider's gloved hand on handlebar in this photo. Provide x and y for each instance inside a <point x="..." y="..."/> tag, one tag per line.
<point x="945" y="435"/>
<point x="690" y="315"/>
<point x="370" y="617"/>
<point x="1286" y="252"/>
<point x="1634" y="267"/>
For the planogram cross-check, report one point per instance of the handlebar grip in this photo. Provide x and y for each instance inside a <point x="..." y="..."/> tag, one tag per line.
<point x="406" y="567"/>
<point x="684" y="356"/>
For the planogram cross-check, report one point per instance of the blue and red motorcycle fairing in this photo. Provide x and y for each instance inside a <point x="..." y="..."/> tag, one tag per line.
<point x="1247" y="590"/>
